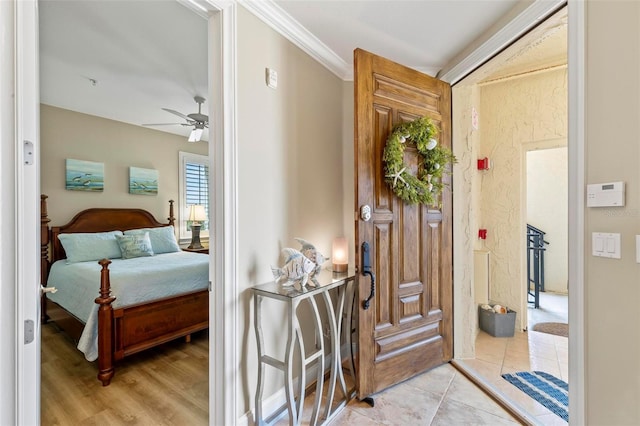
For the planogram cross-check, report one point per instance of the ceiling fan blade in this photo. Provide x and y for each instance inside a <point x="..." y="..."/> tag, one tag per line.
<point x="179" y="114"/>
<point x="165" y="124"/>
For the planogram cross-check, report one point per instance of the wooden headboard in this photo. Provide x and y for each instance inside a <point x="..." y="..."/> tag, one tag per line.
<point x="94" y="220"/>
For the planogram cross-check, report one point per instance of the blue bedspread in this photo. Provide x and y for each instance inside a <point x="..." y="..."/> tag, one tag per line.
<point x="132" y="281"/>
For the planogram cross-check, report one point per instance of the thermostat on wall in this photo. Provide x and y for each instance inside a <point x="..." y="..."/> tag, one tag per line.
<point x="605" y="194"/>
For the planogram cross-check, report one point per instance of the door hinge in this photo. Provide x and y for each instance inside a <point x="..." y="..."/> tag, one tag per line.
<point x="28" y="153"/>
<point x="29" y="331"/>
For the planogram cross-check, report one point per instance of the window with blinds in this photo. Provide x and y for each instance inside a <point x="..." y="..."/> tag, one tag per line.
<point x="196" y="176"/>
<point x="194" y="189"/>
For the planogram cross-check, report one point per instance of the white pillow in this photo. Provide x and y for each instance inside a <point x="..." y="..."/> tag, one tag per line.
<point x="163" y="239"/>
<point x="84" y="247"/>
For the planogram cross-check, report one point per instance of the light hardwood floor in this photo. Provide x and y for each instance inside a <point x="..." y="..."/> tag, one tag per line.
<point x="168" y="385"/>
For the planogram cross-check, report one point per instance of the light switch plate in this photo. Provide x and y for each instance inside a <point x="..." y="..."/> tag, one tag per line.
<point x="606" y="245"/>
<point x="271" y="77"/>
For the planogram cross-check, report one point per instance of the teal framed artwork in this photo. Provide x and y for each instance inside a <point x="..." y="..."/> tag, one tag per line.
<point x="143" y="181"/>
<point x="84" y="175"/>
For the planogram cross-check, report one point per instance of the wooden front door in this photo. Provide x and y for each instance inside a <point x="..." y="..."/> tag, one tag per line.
<point x="408" y="327"/>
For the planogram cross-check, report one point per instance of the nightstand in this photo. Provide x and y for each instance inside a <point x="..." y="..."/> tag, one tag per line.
<point x="203" y="250"/>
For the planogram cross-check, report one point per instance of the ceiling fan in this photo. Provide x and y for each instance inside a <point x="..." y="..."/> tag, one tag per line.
<point x="198" y="120"/>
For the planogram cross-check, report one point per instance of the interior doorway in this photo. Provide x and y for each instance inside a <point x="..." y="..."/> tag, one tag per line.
<point x="547" y="231"/>
<point x="514" y="104"/>
<point x="191" y="403"/>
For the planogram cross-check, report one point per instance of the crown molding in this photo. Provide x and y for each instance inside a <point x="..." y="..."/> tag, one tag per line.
<point x="283" y="23"/>
<point x="199" y="7"/>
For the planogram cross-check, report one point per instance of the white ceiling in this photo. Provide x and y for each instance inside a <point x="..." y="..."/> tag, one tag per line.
<point x="143" y="55"/>
<point x="148" y="55"/>
<point x="424" y="35"/>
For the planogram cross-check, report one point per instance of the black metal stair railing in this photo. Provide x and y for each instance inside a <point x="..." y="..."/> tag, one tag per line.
<point x="535" y="264"/>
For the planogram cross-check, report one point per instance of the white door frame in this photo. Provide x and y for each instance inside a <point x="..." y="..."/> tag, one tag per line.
<point x="8" y="316"/>
<point x="576" y="152"/>
<point x="223" y="297"/>
<point x="223" y="268"/>
<point x="472" y="59"/>
<point x="26" y="212"/>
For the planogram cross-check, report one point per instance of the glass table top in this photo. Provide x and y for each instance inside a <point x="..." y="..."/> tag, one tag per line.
<point x="325" y="280"/>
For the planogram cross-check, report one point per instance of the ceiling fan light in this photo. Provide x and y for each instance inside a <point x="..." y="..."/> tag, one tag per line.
<point x="195" y="135"/>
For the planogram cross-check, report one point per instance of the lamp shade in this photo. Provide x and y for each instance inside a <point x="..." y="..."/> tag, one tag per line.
<point x="340" y="254"/>
<point x="197" y="213"/>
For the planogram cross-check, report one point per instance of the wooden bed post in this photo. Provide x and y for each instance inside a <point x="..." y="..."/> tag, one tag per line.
<point x="45" y="234"/>
<point x="105" y="326"/>
<point x="171" y="217"/>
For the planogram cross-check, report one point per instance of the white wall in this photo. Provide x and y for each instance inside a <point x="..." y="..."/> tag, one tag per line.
<point x="290" y="178"/>
<point x="8" y="273"/>
<point x="612" y="146"/>
<point x="547" y="210"/>
<point x="68" y="134"/>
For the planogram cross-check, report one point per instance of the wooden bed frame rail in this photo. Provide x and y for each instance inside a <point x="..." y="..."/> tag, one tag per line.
<point x="126" y="330"/>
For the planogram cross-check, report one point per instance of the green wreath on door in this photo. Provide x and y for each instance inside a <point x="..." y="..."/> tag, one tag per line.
<point x="425" y="187"/>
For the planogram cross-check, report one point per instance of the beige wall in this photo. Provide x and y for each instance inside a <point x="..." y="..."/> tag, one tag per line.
<point x="290" y="178"/>
<point x="348" y="166"/>
<point x="612" y="286"/>
<point x="514" y="114"/>
<point x="67" y="134"/>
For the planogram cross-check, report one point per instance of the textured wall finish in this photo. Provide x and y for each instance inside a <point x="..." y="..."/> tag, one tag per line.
<point x="465" y="216"/>
<point x="514" y="112"/>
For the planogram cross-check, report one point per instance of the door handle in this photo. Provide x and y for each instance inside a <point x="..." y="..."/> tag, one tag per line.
<point x="44" y="290"/>
<point x="367" y="270"/>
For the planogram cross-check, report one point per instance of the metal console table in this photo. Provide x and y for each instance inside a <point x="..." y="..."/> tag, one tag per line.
<point x="293" y="296"/>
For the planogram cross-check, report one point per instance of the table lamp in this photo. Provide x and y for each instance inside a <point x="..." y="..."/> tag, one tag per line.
<point x="197" y="215"/>
<point x="340" y="255"/>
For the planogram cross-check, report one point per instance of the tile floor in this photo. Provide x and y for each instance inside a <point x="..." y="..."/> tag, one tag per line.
<point x="444" y="396"/>
<point x="526" y="351"/>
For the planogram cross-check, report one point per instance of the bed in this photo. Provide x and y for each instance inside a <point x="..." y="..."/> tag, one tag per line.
<point x="124" y="303"/>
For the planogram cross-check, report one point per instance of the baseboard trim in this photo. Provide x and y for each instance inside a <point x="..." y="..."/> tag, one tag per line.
<point x="513" y="408"/>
